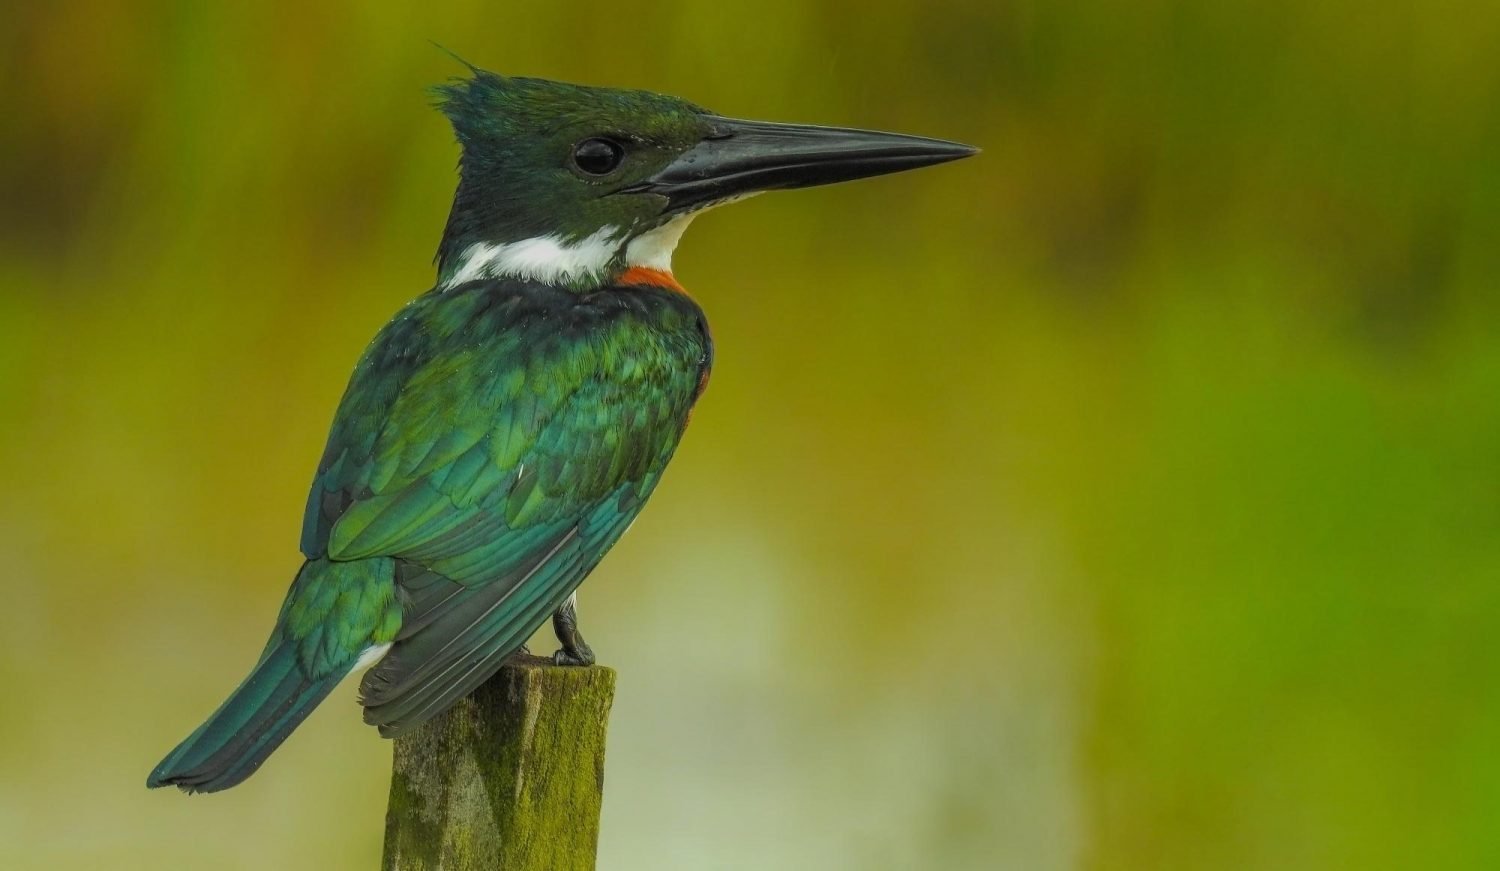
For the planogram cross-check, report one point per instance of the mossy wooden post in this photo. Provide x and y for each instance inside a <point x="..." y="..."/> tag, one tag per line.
<point x="508" y="779"/>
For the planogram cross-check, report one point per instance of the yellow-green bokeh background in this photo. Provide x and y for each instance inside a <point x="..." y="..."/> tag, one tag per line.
<point x="1124" y="498"/>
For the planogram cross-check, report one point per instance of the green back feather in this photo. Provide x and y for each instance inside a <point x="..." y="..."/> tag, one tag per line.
<point x="496" y="440"/>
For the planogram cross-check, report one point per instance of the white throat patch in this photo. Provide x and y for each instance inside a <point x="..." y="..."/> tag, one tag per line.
<point x="545" y="258"/>
<point x="549" y="259"/>
<point x="653" y="249"/>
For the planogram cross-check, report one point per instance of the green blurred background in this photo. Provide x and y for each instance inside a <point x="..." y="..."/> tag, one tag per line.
<point x="1124" y="498"/>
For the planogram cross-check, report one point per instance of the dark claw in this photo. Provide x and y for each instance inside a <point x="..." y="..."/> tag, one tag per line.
<point x="583" y="657"/>
<point x="575" y="651"/>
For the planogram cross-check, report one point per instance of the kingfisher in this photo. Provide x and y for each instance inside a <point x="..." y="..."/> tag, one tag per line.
<point x="500" y="434"/>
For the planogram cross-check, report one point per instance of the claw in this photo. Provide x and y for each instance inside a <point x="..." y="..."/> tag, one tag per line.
<point x="581" y="657"/>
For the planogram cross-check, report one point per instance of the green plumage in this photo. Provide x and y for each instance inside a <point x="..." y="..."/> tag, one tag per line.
<point x="501" y="433"/>
<point x="333" y="611"/>
<point x="495" y="441"/>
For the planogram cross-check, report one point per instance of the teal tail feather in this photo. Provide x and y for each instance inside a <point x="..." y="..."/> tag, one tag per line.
<point x="251" y="723"/>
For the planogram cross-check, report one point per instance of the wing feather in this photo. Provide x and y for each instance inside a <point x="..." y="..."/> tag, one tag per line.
<point x="496" y="442"/>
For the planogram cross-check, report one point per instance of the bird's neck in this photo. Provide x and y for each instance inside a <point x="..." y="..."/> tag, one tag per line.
<point x="581" y="263"/>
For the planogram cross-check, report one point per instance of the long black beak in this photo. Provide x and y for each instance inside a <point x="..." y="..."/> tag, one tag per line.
<point x="743" y="157"/>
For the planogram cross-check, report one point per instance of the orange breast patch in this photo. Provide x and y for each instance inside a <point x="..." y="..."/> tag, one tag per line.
<point x="651" y="278"/>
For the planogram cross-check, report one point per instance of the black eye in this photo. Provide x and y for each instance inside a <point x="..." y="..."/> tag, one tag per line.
<point x="597" y="156"/>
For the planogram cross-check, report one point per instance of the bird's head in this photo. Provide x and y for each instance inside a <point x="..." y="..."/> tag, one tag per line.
<point x="572" y="185"/>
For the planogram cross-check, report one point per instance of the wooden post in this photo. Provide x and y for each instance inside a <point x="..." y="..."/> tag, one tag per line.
<point x="508" y="779"/>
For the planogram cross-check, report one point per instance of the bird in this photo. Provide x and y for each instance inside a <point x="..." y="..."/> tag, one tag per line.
<point x="502" y="431"/>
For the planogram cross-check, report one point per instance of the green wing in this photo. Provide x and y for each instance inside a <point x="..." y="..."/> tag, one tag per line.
<point x="497" y="440"/>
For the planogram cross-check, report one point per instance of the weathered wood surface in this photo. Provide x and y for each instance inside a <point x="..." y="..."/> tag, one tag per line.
<point x="508" y="779"/>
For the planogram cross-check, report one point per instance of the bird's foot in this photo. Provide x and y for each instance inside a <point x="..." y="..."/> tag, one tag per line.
<point x="578" y="654"/>
<point x="575" y="651"/>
